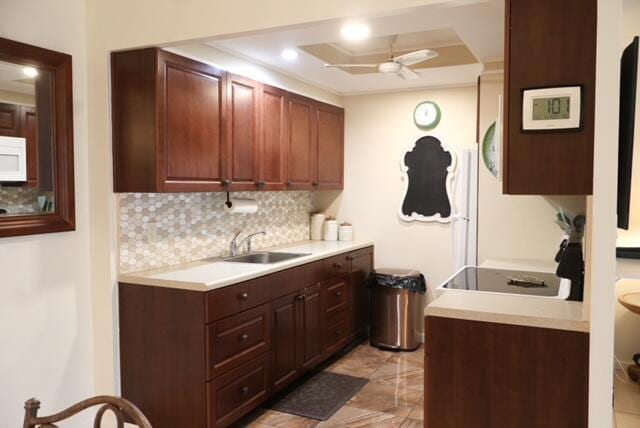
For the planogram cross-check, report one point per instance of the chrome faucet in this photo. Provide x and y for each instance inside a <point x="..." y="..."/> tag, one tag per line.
<point x="235" y="246"/>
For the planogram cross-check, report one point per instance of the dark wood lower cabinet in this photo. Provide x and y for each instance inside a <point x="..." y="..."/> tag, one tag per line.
<point x="285" y="314"/>
<point x="487" y="375"/>
<point x="205" y="359"/>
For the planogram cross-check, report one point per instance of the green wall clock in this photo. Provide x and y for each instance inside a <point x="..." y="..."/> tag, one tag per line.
<point x="426" y="115"/>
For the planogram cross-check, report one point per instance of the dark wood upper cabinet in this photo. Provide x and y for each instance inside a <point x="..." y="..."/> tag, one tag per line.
<point x="549" y="43"/>
<point x="184" y="126"/>
<point x="243" y="128"/>
<point x="273" y="139"/>
<point x="168" y="123"/>
<point x="10" y="120"/>
<point x="29" y="124"/>
<point x="301" y="159"/>
<point x="329" y="147"/>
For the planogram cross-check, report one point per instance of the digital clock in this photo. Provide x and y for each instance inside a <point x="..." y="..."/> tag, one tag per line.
<point x="551" y="108"/>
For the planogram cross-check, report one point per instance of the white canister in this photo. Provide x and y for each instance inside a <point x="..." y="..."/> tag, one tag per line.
<point x="330" y="230"/>
<point x="345" y="232"/>
<point x="317" y="220"/>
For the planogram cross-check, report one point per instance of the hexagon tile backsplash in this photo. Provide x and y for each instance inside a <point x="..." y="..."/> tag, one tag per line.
<point x="158" y="229"/>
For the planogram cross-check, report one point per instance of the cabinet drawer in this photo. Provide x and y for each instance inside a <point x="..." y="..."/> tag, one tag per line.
<point x="237" y="298"/>
<point x="290" y="280"/>
<point x="336" y="265"/>
<point x="336" y="333"/>
<point x="236" y="393"/>
<point x="336" y="293"/>
<point x="237" y="339"/>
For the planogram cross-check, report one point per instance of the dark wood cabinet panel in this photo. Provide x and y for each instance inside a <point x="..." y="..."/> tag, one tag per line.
<point x="162" y="354"/>
<point x="237" y="298"/>
<point x="273" y="139"/>
<point x="549" y="43"/>
<point x="191" y="125"/>
<point x="237" y="339"/>
<point x="217" y="355"/>
<point x="236" y="393"/>
<point x="335" y="295"/>
<point x="243" y="127"/>
<point x="168" y="123"/>
<point x="311" y="327"/>
<point x="521" y="376"/>
<point x="285" y="314"/>
<point x="10" y="120"/>
<point x="361" y="265"/>
<point x="29" y="125"/>
<point x="184" y="126"/>
<point x="301" y="159"/>
<point x="329" y="147"/>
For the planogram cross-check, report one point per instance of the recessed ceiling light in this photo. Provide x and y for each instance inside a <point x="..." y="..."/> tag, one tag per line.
<point x="30" y="72"/>
<point x="355" y="31"/>
<point x="289" y="54"/>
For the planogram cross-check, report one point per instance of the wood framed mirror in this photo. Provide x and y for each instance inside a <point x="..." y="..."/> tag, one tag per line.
<point x="36" y="140"/>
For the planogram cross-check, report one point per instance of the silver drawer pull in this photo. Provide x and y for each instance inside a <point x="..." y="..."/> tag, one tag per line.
<point x="244" y="390"/>
<point x="244" y="337"/>
<point x="338" y="293"/>
<point x="243" y="296"/>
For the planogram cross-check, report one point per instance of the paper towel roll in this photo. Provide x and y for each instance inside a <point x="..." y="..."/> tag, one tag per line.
<point x="241" y="206"/>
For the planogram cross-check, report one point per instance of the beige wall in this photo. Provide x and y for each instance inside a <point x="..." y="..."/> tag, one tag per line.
<point x="17" y="98"/>
<point x="45" y="293"/>
<point x="378" y="131"/>
<point x="524" y="224"/>
<point x="237" y="65"/>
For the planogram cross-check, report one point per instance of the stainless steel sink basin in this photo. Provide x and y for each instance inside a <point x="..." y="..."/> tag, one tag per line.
<point x="264" y="257"/>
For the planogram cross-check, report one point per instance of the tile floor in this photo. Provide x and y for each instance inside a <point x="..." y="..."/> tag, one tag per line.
<point x="392" y="398"/>
<point x="627" y="404"/>
<point x="395" y="392"/>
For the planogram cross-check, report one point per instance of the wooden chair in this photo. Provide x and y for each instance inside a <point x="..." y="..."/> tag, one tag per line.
<point x="120" y="407"/>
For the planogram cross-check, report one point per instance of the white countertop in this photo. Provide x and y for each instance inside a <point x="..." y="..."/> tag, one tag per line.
<point x="515" y="310"/>
<point x="215" y="273"/>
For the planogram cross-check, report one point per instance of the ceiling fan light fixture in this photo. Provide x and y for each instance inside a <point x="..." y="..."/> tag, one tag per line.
<point x="355" y="31"/>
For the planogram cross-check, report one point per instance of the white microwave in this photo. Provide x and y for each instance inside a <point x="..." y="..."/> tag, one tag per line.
<point x="13" y="159"/>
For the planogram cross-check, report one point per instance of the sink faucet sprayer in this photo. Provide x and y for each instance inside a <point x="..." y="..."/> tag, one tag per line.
<point x="235" y="246"/>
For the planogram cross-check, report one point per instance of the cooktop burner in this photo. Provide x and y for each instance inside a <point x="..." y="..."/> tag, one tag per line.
<point x="505" y="281"/>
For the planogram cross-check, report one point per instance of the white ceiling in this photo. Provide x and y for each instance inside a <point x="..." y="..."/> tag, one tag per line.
<point x="478" y="24"/>
<point x="12" y="79"/>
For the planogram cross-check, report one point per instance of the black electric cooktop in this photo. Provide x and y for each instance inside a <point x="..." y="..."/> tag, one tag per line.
<point x="505" y="281"/>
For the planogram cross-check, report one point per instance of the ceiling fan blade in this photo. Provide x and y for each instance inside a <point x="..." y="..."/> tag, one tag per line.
<point x="408" y="74"/>
<point x="416" y="57"/>
<point x="350" y="65"/>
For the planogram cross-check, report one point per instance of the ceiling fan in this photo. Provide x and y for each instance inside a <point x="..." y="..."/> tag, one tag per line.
<point x="398" y="65"/>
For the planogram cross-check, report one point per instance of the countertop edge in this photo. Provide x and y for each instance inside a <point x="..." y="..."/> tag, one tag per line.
<point x="138" y="278"/>
<point x="510" y="319"/>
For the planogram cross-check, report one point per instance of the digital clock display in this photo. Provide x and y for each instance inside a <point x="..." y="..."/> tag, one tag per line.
<point x="551" y="108"/>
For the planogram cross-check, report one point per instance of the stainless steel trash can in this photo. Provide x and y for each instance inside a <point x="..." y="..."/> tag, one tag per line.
<point x="397" y="306"/>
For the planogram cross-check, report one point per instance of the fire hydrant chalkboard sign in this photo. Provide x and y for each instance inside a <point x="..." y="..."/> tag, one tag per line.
<point x="428" y="170"/>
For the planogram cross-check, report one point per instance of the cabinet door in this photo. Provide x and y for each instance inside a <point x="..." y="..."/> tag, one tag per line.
<point x="191" y="132"/>
<point x="29" y="127"/>
<point x="285" y="339"/>
<point x="301" y="159"/>
<point x="311" y="327"/>
<point x="273" y="139"/>
<point x="9" y="120"/>
<point x="330" y="147"/>
<point x="243" y="117"/>
<point x="361" y="267"/>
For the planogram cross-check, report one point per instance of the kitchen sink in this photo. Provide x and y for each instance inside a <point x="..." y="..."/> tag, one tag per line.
<point x="264" y="257"/>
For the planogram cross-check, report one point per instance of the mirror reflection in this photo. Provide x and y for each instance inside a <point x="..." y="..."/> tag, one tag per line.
<point x="26" y="135"/>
